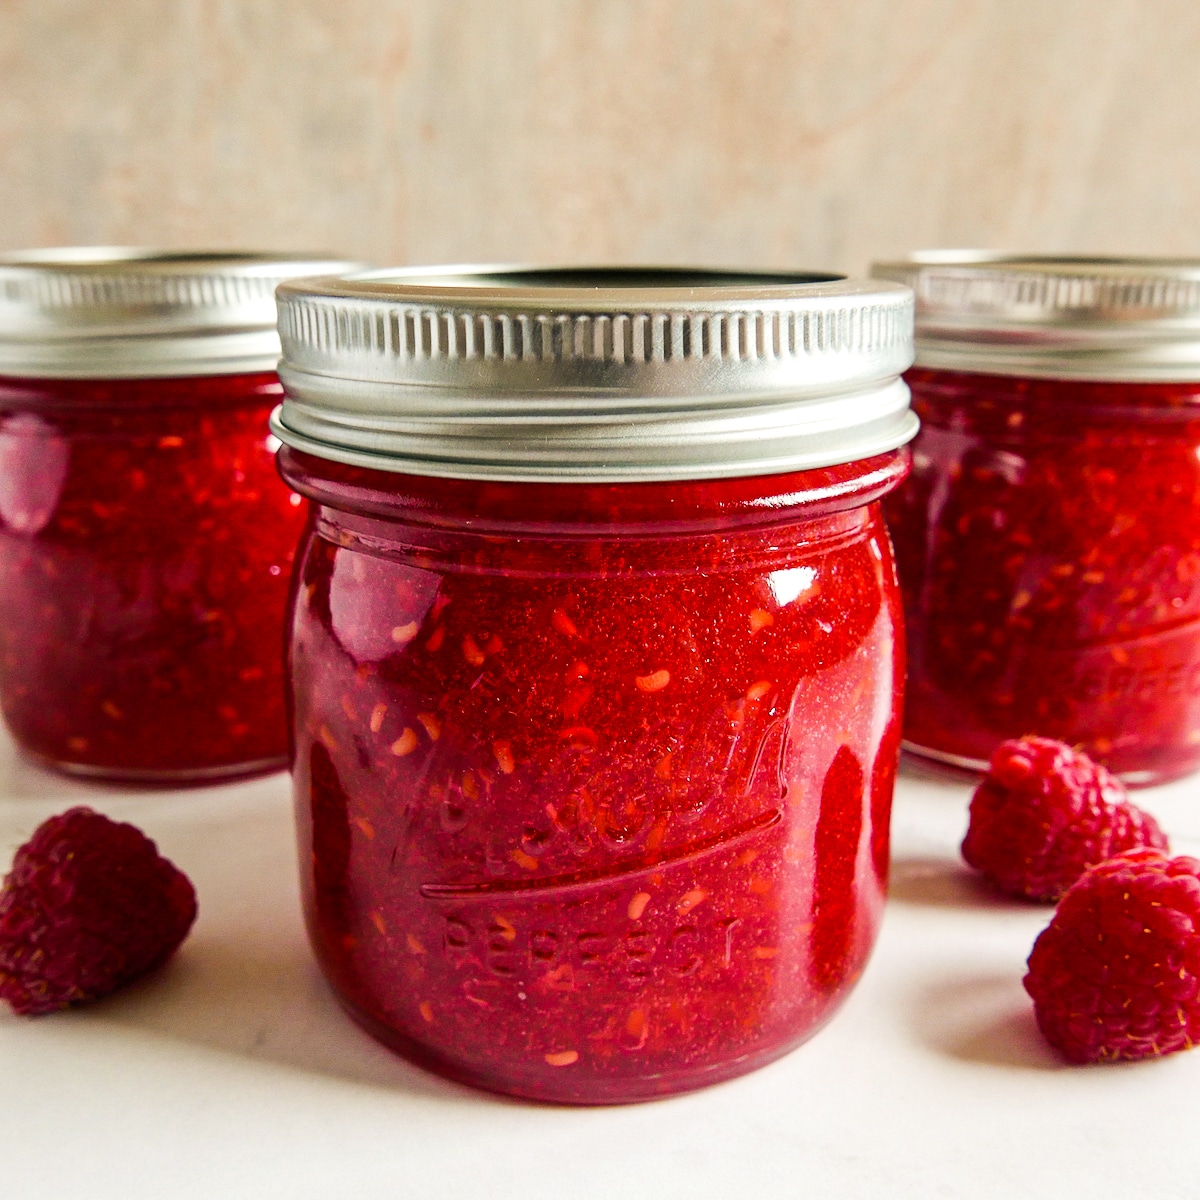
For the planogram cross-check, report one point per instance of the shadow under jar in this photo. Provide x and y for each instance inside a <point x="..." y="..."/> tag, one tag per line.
<point x="595" y="662"/>
<point x="145" y="539"/>
<point x="1048" y="539"/>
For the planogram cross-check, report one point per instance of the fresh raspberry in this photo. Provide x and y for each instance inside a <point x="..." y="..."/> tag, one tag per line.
<point x="1116" y="973"/>
<point x="1044" y="813"/>
<point x="89" y="906"/>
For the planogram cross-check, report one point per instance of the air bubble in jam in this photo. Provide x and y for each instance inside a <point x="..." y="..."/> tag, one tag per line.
<point x="145" y="548"/>
<point x="1048" y="543"/>
<point x="664" y="880"/>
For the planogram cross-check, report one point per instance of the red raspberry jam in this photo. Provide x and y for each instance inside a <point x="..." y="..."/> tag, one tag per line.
<point x="594" y="662"/>
<point x="145" y="537"/>
<point x="593" y="793"/>
<point x="1049" y="546"/>
<point x="1048" y="540"/>
<point x="145" y="549"/>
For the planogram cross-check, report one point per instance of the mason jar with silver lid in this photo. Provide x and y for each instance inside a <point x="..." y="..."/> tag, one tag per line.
<point x="595" y="660"/>
<point x="1048" y="539"/>
<point x="145" y="538"/>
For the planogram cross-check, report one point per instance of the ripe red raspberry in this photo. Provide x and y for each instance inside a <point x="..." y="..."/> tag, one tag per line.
<point x="1116" y="973"/>
<point x="1044" y="813"/>
<point x="89" y="906"/>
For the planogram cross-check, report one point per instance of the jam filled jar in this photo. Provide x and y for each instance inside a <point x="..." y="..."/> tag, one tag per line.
<point x="595" y="661"/>
<point x="1048" y="540"/>
<point x="145" y="539"/>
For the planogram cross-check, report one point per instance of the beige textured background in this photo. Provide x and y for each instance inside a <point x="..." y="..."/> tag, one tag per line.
<point x="787" y="132"/>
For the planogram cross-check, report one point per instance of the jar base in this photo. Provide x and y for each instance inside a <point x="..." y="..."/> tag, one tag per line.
<point x="155" y="778"/>
<point x="979" y="766"/>
<point x="592" y="1093"/>
<point x="976" y="765"/>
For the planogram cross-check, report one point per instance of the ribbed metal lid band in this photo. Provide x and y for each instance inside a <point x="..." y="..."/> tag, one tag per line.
<point x="33" y="289"/>
<point x="593" y="374"/>
<point x="1049" y="296"/>
<point x="115" y="312"/>
<point x="1135" y="320"/>
<point x="315" y="329"/>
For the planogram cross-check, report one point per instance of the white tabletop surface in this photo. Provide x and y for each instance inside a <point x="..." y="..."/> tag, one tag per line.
<point x="232" y="1073"/>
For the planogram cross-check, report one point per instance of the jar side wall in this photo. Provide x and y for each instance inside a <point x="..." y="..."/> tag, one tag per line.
<point x="1048" y="542"/>
<point x="145" y="551"/>
<point x="602" y="836"/>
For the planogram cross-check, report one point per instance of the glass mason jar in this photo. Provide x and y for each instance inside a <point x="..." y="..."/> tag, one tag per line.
<point x="1048" y="540"/>
<point x="145" y="540"/>
<point x="595" y="662"/>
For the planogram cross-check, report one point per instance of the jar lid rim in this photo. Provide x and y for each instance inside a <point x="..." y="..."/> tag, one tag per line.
<point x="565" y="288"/>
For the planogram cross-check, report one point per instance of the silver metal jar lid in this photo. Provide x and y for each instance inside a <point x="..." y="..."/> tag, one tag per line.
<point x="1119" y="319"/>
<point x="593" y="374"/>
<point x="108" y="312"/>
